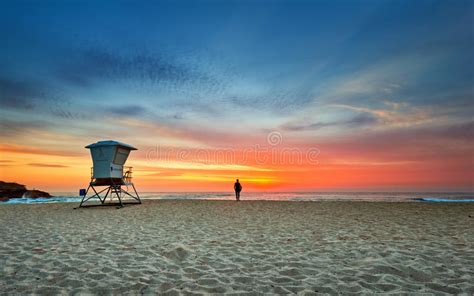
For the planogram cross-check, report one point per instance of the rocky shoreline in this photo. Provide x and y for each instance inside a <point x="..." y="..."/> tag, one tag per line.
<point x="10" y="190"/>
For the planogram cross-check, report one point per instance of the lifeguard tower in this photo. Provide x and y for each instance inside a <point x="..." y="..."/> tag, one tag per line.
<point x="108" y="170"/>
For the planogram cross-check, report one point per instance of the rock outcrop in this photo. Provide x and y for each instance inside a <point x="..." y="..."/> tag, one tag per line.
<point x="36" y="193"/>
<point x="11" y="190"/>
<point x="14" y="190"/>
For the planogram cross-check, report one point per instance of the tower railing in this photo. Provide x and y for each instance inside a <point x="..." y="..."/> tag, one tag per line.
<point x="127" y="174"/>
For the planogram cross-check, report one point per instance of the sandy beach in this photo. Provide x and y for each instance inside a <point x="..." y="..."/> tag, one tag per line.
<point x="200" y="247"/>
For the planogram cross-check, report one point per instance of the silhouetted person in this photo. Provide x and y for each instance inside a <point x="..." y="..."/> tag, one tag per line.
<point x="237" y="188"/>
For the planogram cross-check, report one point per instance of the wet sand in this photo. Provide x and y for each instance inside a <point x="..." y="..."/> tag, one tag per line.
<point x="199" y="247"/>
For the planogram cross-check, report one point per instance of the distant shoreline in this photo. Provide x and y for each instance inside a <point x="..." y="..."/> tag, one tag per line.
<point x="274" y="197"/>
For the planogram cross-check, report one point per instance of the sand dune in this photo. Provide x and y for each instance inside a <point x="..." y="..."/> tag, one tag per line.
<point x="199" y="247"/>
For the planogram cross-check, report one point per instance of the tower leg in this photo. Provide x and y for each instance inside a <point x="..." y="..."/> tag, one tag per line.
<point x="106" y="194"/>
<point x="118" y="190"/>
<point x="96" y="194"/>
<point x="82" y="201"/>
<point x="135" y="197"/>
<point x="138" y="197"/>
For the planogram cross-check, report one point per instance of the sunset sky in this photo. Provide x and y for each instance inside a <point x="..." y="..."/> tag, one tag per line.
<point x="285" y="95"/>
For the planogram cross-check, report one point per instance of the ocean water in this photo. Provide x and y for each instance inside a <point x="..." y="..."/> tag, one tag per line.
<point x="271" y="196"/>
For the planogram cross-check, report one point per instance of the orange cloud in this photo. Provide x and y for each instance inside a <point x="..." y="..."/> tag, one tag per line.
<point x="23" y="149"/>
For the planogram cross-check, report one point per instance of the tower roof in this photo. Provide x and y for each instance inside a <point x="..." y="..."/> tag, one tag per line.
<point x="110" y="143"/>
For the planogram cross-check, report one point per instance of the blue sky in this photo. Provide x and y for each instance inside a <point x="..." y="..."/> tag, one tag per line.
<point x="276" y="55"/>
<point x="212" y="73"/>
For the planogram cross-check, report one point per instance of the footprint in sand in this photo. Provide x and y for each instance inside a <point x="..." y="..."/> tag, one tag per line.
<point x="178" y="253"/>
